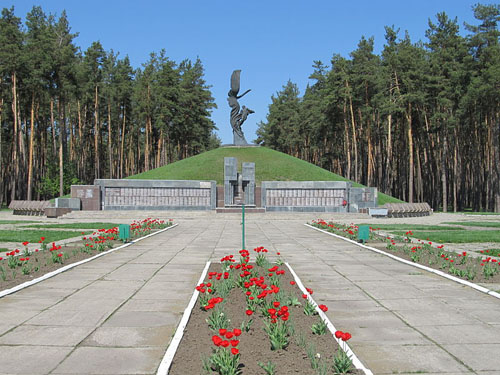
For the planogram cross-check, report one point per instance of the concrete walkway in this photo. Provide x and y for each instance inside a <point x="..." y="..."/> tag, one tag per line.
<point x="116" y="314"/>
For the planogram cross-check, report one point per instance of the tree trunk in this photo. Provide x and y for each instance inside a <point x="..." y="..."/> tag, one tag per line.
<point x="410" y="155"/>
<point x="62" y="136"/>
<point x="97" y="169"/>
<point x="122" y="146"/>
<point x="354" y="140"/>
<point x="388" y="172"/>
<point x="347" y="146"/>
<point x="444" y="182"/>
<point x="31" y="146"/>
<point x="53" y="126"/>
<point x="110" y="144"/>
<point x="15" y="135"/>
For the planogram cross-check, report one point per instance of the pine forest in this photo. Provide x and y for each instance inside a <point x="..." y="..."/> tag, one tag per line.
<point x="420" y="121"/>
<point x="69" y="117"/>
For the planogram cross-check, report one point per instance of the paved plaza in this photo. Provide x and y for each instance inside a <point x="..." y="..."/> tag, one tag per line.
<point x="117" y="314"/>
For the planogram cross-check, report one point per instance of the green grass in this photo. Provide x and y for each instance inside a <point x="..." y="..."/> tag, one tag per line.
<point x="411" y="227"/>
<point x="34" y="235"/>
<point x="478" y="213"/>
<point x="485" y="224"/>
<point x="75" y="226"/>
<point x="463" y="236"/>
<point x="17" y="221"/>
<point x="270" y="165"/>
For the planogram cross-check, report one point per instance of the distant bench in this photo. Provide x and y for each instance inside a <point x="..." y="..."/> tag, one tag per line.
<point x="407" y="209"/>
<point x="29" y="207"/>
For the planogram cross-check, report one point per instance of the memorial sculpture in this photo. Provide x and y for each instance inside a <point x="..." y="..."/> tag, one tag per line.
<point x="237" y="117"/>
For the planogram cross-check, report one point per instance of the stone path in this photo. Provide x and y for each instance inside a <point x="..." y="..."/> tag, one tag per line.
<point x="116" y="314"/>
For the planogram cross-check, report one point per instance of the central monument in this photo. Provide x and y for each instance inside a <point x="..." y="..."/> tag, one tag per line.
<point x="237" y="117"/>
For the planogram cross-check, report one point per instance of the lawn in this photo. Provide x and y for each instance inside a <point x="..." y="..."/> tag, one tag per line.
<point x="411" y="227"/>
<point x="17" y="221"/>
<point x="35" y="235"/>
<point x="463" y="236"/>
<point x="75" y="226"/>
<point x="484" y="224"/>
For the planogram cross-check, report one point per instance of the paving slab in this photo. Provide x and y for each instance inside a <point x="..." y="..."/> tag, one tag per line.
<point x="132" y="337"/>
<point x="46" y="335"/>
<point x="31" y="359"/>
<point x="113" y="361"/>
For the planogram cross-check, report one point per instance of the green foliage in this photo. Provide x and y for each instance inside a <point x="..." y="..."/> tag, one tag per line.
<point x="268" y="367"/>
<point x="342" y="363"/>
<point x="319" y="328"/>
<point x="217" y="319"/>
<point x="278" y="334"/>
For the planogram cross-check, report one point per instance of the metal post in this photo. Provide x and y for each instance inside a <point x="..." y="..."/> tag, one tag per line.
<point x="243" y="226"/>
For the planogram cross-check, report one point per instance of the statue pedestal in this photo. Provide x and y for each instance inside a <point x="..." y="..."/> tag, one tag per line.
<point x="239" y="140"/>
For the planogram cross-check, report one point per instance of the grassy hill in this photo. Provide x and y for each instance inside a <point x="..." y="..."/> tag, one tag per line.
<point x="270" y="165"/>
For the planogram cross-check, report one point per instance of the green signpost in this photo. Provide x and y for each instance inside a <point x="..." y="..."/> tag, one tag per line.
<point x="242" y="226"/>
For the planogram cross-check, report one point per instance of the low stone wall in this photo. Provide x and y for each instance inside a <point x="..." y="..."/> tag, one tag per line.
<point x="157" y="194"/>
<point x="305" y="196"/>
<point x="362" y="198"/>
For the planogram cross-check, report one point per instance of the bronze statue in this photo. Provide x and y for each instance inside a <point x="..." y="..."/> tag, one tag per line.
<point x="237" y="117"/>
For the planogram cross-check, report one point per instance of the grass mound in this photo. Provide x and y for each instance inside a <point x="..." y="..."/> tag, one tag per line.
<point x="270" y="165"/>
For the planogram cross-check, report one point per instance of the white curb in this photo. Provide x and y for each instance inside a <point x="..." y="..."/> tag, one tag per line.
<point x="437" y="272"/>
<point x="355" y="360"/>
<point x="174" y="344"/>
<point x="16" y="288"/>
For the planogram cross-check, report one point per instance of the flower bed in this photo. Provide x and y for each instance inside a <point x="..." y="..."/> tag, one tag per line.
<point x="462" y="265"/>
<point x="251" y="318"/>
<point x="20" y="266"/>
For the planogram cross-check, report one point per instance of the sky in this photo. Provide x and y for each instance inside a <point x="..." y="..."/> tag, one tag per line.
<point x="271" y="41"/>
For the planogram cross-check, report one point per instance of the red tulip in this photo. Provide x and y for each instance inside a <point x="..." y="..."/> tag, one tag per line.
<point x="217" y="340"/>
<point x="222" y="331"/>
<point x="346" y="336"/>
<point x="224" y="343"/>
<point x="237" y="332"/>
<point x="234" y="351"/>
<point x="249" y="312"/>
<point x="235" y="342"/>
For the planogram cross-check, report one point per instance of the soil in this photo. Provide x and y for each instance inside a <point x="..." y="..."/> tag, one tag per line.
<point x="254" y="346"/>
<point x="403" y="250"/>
<point x="426" y="258"/>
<point x="43" y="260"/>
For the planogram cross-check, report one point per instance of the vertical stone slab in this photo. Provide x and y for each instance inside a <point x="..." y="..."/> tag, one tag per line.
<point x="248" y="178"/>
<point x="230" y="179"/>
<point x="89" y="195"/>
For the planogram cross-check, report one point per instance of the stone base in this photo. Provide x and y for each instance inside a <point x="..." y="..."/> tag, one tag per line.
<point x="54" y="212"/>
<point x="237" y="210"/>
<point x="239" y="140"/>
